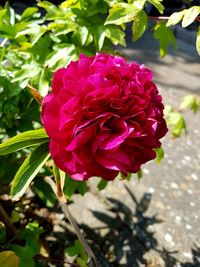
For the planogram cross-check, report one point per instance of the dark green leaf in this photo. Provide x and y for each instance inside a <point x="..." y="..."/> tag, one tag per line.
<point x="72" y="186"/>
<point x="102" y="184"/>
<point x="32" y="246"/>
<point x="28" y="170"/>
<point x="23" y="140"/>
<point x="45" y="192"/>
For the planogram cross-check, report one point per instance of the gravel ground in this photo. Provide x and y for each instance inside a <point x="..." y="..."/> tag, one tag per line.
<point x="154" y="221"/>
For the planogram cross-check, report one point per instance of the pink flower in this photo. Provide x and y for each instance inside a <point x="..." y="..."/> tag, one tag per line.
<point x="104" y="116"/>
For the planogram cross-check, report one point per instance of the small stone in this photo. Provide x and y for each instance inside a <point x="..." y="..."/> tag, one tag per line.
<point x="189" y="142"/>
<point x="192" y="204"/>
<point x="151" y="190"/>
<point x="145" y="171"/>
<point x="190" y="191"/>
<point x="169" y="239"/>
<point x="187" y="255"/>
<point x="188" y="158"/>
<point x="194" y="176"/>
<point x="188" y="227"/>
<point x="174" y="185"/>
<point x="177" y="219"/>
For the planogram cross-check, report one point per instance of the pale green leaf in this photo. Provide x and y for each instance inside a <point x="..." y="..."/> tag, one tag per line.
<point x="190" y="15"/>
<point x="23" y="140"/>
<point x="28" y="170"/>
<point x="139" y="25"/>
<point x="175" y="18"/>
<point x="177" y="121"/>
<point x="29" y="12"/>
<point x="122" y="13"/>
<point x="158" y="4"/>
<point x="190" y="101"/>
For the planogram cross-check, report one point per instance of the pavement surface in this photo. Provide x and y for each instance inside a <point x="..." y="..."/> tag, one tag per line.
<point x="155" y="221"/>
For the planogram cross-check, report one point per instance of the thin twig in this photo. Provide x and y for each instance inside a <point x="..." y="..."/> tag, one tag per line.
<point x="66" y="211"/>
<point x="167" y="17"/>
<point x="11" y="230"/>
<point x="3" y="42"/>
<point x="72" y="221"/>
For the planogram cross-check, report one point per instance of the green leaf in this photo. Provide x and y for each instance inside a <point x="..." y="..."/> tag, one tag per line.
<point x="62" y="55"/>
<point x="190" y="15"/>
<point x="198" y="41"/>
<point x="83" y="34"/>
<point x="28" y="12"/>
<point x="175" y="18"/>
<point x="177" y="121"/>
<point x="28" y="170"/>
<point x="165" y="36"/>
<point x="139" y="25"/>
<point x="139" y="174"/>
<point x="32" y="245"/>
<point x="44" y="191"/>
<point x="23" y="140"/>
<point x="78" y="251"/>
<point x="34" y="31"/>
<point x="9" y="259"/>
<point x="190" y="101"/>
<point x="159" y="154"/>
<point x="99" y="36"/>
<point x="158" y="5"/>
<point x="122" y="13"/>
<point x="44" y="79"/>
<point x="116" y="35"/>
<point x="72" y="186"/>
<point x="102" y="184"/>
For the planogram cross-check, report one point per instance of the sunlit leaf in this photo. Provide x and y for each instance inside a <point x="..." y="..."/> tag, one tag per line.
<point x="158" y="4"/>
<point x="159" y="154"/>
<point x="23" y="140"/>
<point x="175" y="18"/>
<point x="139" y="25"/>
<point x="190" y="15"/>
<point x="9" y="259"/>
<point x="122" y="13"/>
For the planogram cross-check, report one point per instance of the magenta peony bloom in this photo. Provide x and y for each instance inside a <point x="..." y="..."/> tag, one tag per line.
<point x="104" y="116"/>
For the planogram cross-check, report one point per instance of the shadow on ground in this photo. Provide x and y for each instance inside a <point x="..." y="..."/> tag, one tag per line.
<point x="125" y="240"/>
